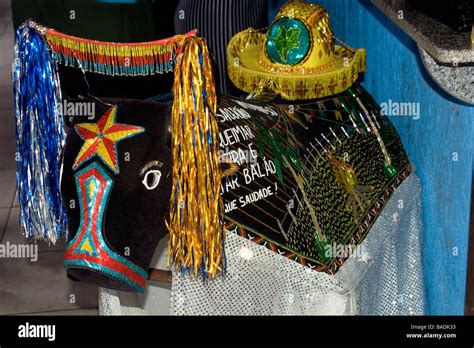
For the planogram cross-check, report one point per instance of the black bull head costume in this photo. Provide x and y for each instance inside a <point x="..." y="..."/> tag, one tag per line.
<point x="295" y="178"/>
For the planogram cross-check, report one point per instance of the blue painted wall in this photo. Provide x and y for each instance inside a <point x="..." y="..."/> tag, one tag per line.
<point x="442" y="134"/>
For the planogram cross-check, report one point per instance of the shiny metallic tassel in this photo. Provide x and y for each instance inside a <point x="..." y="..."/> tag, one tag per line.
<point x="40" y="136"/>
<point x="196" y="242"/>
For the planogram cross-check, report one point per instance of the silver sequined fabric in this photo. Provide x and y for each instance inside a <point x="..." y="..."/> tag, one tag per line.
<point x="383" y="278"/>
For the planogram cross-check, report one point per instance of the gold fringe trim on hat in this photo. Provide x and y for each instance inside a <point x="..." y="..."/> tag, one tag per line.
<point x="196" y="240"/>
<point x="290" y="86"/>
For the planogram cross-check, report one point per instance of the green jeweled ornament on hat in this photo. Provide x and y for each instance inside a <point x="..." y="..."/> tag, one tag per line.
<point x="288" y="41"/>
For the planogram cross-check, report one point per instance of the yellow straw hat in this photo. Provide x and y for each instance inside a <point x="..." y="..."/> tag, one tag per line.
<point x="297" y="58"/>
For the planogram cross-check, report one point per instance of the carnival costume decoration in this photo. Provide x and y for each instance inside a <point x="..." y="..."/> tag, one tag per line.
<point x="195" y="222"/>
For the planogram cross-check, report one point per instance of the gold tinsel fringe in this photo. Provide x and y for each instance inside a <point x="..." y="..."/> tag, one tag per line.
<point x="196" y="240"/>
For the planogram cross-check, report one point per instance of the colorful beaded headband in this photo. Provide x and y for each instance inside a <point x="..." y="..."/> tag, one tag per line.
<point x="111" y="58"/>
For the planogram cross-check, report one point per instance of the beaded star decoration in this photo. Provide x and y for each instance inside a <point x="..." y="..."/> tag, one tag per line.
<point x="101" y="138"/>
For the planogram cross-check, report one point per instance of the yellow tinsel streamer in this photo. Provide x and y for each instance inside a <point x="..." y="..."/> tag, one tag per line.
<point x="196" y="233"/>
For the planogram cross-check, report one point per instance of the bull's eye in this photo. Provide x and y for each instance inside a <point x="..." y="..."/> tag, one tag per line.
<point x="151" y="179"/>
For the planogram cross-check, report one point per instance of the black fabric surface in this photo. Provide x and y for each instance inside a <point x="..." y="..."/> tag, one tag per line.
<point x="144" y="20"/>
<point x="134" y="216"/>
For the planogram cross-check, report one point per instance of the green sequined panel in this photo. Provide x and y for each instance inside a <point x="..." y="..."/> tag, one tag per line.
<point x="329" y="197"/>
<point x="316" y="173"/>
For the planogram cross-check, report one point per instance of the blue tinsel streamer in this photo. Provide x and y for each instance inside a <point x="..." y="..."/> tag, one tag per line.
<point x="40" y="137"/>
